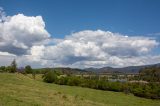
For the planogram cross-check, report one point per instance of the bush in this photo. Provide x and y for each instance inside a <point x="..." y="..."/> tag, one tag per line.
<point x="62" y="81"/>
<point x="49" y="77"/>
<point x="73" y="81"/>
<point x="151" y="90"/>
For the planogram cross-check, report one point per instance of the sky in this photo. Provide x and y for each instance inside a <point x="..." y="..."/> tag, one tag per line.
<point x="80" y="33"/>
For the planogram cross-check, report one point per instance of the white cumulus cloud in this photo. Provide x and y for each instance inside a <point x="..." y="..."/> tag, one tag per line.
<point x="19" y="32"/>
<point x="97" y="48"/>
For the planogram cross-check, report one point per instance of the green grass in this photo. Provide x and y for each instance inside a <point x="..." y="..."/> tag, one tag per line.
<point x="20" y="90"/>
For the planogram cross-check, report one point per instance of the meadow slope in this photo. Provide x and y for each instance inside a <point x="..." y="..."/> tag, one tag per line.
<point x="20" y="90"/>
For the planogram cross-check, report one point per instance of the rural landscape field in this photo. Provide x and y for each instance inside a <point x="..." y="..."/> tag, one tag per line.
<point x="79" y="53"/>
<point x="17" y="89"/>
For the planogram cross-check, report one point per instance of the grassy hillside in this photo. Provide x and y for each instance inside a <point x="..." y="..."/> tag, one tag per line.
<point x="17" y="89"/>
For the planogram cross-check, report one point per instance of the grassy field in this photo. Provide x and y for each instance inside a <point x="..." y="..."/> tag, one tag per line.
<point x="20" y="90"/>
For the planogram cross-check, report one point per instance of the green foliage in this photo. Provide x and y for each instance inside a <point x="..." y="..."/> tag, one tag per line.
<point x="8" y="68"/>
<point x="147" y="90"/>
<point x="73" y="81"/>
<point x="2" y="69"/>
<point x="28" y="69"/>
<point x="151" y="74"/>
<point x="151" y="90"/>
<point x="62" y="81"/>
<point x="49" y="77"/>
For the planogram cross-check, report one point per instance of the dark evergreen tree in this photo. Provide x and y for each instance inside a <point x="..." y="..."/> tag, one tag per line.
<point x="13" y="68"/>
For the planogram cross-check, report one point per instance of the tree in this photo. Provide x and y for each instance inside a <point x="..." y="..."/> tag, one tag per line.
<point x="13" y="66"/>
<point x="28" y="69"/>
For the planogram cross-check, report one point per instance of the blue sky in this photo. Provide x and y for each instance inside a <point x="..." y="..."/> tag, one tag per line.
<point x="99" y="33"/>
<point x="131" y="17"/>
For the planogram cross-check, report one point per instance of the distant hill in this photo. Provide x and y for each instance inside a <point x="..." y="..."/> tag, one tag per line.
<point x="62" y="70"/>
<point x="68" y="70"/>
<point x="129" y="69"/>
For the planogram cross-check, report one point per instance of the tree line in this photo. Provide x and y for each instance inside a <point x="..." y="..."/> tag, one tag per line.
<point x="147" y="90"/>
<point x="12" y="68"/>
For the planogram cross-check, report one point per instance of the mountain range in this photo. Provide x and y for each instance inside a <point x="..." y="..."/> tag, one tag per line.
<point x="129" y="69"/>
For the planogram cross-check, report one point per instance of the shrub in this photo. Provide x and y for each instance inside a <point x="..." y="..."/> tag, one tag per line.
<point x="49" y="77"/>
<point x="73" y="81"/>
<point x="62" y="81"/>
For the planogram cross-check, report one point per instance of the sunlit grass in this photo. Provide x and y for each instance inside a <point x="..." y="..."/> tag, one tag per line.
<point x="17" y="89"/>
